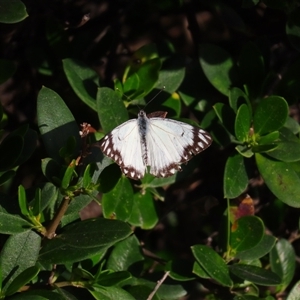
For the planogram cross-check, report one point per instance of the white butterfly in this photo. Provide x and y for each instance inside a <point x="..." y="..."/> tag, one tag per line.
<point x="152" y="140"/>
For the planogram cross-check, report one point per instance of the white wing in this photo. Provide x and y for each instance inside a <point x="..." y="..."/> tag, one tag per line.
<point x="171" y="143"/>
<point x="123" y="145"/>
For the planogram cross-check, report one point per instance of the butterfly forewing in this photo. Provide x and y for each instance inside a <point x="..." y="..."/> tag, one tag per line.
<point x="123" y="146"/>
<point x="171" y="143"/>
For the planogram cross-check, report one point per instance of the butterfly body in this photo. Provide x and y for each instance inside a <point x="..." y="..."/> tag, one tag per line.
<point x="155" y="141"/>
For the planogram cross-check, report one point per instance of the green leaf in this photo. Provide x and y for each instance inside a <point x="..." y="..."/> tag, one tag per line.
<point x="109" y="293"/>
<point x="293" y="28"/>
<point x="218" y="67"/>
<point x="251" y="67"/>
<point x="68" y="176"/>
<point x="261" y="249"/>
<point x="235" y="176"/>
<point x="244" y="150"/>
<point x="143" y="213"/>
<point x="172" y="73"/>
<point x="226" y="115"/>
<point x="199" y="271"/>
<point x="7" y="68"/>
<point x="270" y="115"/>
<point x="294" y="293"/>
<point x="242" y="123"/>
<point x="56" y="123"/>
<point x="6" y="176"/>
<point x="141" y="292"/>
<point x="180" y="269"/>
<point x="87" y="176"/>
<point x="111" y="109"/>
<point x="19" y="253"/>
<point x="83" y="80"/>
<point x="212" y="263"/>
<point x="115" y="278"/>
<point x="23" y="201"/>
<point x="280" y="178"/>
<point x="82" y="240"/>
<point x="283" y="263"/>
<point x="26" y="276"/>
<point x="255" y="274"/>
<point x="246" y="233"/>
<point x="12" y="224"/>
<point x="12" y="11"/>
<point x="288" y="149"/>
<point x="237" y="97"/>
<point x="118" y="202"/>
<point x="126" y="255"/>
<point x="50" y="168"/>
<point x="269" y="138"/>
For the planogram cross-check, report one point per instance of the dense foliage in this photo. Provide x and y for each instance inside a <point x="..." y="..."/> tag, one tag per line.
<point x="72" y="226"/>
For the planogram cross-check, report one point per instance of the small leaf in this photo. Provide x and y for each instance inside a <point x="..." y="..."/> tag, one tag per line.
<point x="109" y="293"/>
<point x="212" y="263"/>
<point x="242" y="123"/>
<point x="255" y="274"/>
<point x="246" y="233"/>
<point x="68" y="176"/>
<point x="83" y="80"/>
<point x="218" y="67"/>
<point x="111" y="109"/>
<point x="283" y="263"/>
<point x="12" y="11"/>
<point x="118" y="202"/>
<point x="82" y="240"/>
<point x="280" y="178"/>
<point x="12" y="224"/>
<point x="226" y="115"/>
<point x="143" y="213"/>
<point x="23" y="201"/>
<point x="56" y="123"/>
<point x="270" y="115"/>
<point x="26" y="276"/>
<point x="237" y="97"/>
<point x="235" y="176"/>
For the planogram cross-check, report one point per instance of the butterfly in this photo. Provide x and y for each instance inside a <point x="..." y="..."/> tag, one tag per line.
<point x="155" y="141"/>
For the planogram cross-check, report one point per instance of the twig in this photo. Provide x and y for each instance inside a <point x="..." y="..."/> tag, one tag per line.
<point x="159" y="283"/>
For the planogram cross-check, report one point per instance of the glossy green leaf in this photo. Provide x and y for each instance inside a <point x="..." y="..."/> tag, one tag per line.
<point x="251" y="67"/>
<point x="270" y="138"/>
<point x="83" y="80"/>
<point x="19" y="253"/>
<point x="6" y="176"/>
<point x="246" y="233"/>
<point x="283" y="262"/>
<point x="244" y="150"/>
<point x="270" y="115"/>
<point x="23" y="201"/>
<point x="261" y="249"/>
<point x="118" y="202"/>
<point x="12" y="224"/>
<point x="10" y="151"/>
<point x="7" y="69"/>
<point x="172" y="73"/>
<point x="143" y="213"/>
<point x="235" y="176"/>
<point x="218" y="67"/>
<point x="12" y="11"/>
<point x="109" y="293"/>
<point x="212" y="263"/>
<point x="280" y="178"/>
<point x="294" y="293"/>
<point x="68" y="176"/>
<point x="180" y="269"/>
<point x="82" y="240"/>
<point x="226" y="115"/>
<point x="111" y="109"/>
<point x="50" y="168"/>
<point x="293" y="28"/>
<point x="242" y="123"/>
<point x="199" y="271"/>
<point x="36" y="205"/>
<point x="115" y="278"/>
<point x="56" y="123"/>
<point x="255" y="274"/>
<point x="126" y="255"/>
<point x="87" y="176"/>
<point x="23" y="278"/>
<point x="288" y="149"/>
<point x="237" y="97"/>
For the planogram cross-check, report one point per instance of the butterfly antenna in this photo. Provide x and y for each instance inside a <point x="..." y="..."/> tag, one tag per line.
<point x="161" y="90"/>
